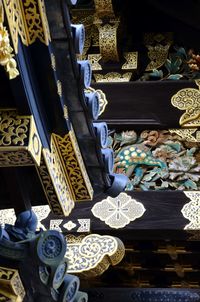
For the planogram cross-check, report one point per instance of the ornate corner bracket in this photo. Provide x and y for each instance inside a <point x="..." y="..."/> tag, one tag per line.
<point x="93" y="254"/>
<point x="188" y="99"/>
<point x="20" y="144"/>
<point x="119" y="211"/>
<point x="28" y="20"/>
<point x="11" y="287"/>
<point x="191" y="210"/>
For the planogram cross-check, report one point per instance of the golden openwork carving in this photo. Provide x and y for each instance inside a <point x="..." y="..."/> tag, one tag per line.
<point x="189" y="135"/>
<point x="54" y="181"/>
<point x="75" y="170"/>
<point x="102" y="98"/>
<point x="112" y="77"/>
<point x="158" y="55"/>
<point x="188" y="99"/>
<point x="28" y="20"/>
<point x="191" y="210"/>
<point x="108" y="41"/>
<point x="94" y="254"/>
<point x="19" y="142"/>
<point x="11" y="286"/>
<point x="94" y="61"/>
<point x="6" y="51"/>
<point x="131" y="60"/>
<point x="104" y="8"/>
<point x="119" y="211"/>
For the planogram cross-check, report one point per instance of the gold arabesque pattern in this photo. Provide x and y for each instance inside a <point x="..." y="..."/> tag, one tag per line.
<point x="191" y="210"/>
<point x="28" y="20"/>
<point x="74" y="167"/>
<point x="94" y="61"/>
<point x="54" y="181"/>
<point x="104" y="8"/>
<point x="188" y="99"/>
<point x="113" y="77"/>
<point x="131" y="60"/>
<point x="119" y="211"/>
<point x="187" y="134"/>
<point x="16" y="22"/>
<point x="93" y="255"/>
<point x="108" y="41"/>
<point x="11" y="284"/>
<point x="158" y="55"/>
<point x="18" y="136"/>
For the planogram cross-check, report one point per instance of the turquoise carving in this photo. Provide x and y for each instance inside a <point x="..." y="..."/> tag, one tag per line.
<point x="131" y="159"/>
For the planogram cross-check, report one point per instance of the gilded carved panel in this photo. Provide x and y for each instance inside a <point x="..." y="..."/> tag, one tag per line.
<point x="28" y="20"/>
<point x="93" y="254"/>
<point x="158" y="159"/>
<point x="19" y="140"/>
<point x="119" y="211"/>
<point x="75" y="170"/>
<point x="188" y="100"/>
<point x="11" y="284"/>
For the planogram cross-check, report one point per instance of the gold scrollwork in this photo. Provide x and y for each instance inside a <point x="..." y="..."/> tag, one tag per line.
<point x="94" y="254"/>
<point x="16" y="22"/>
<point x="113" y="77"/>
<point x="119" y="211"/>
<point x="18" y="137"/>
<point x="54" y="182"/>
<point x="131" y="60"/>
<point x="36" y="21"/>
<point x="187" y="134"/>
<point x="158" y="55"/>
<point x="191" y="210"/>
<point x="75" y="169"/>
<point x="188" y="99"/>
<point x="11" y="284"/>
<point x="6" y="55"/>
<point x="104" y="8"/>
<point x="28" y="20"/>
<point x="108" y="41"/>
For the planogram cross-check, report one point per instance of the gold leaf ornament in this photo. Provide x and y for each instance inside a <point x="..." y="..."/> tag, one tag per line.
<point x="188" y="99"/>
<point x="6" y="56"/>
<point x="119" y="211"/>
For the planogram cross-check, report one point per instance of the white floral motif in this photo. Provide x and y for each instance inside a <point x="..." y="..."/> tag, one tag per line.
<point x="119" y="211"/>
<point x="191" y="210"/>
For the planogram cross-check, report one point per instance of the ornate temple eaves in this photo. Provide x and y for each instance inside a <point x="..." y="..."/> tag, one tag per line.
<point x="61" y="169"/>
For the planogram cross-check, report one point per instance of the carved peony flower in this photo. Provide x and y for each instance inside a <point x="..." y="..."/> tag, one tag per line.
<point x="118" y="212"/>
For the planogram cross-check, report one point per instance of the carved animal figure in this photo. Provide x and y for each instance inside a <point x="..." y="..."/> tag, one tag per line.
<point x="131" y="159"/>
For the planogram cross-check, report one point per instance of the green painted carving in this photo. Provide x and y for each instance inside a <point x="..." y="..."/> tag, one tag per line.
<point x="158" y="160"/>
